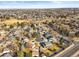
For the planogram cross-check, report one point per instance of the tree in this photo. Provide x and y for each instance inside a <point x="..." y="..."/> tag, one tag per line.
<point x="20" y="53"/>
<point x="77" y="34"/>
<point x="61" y="40"/>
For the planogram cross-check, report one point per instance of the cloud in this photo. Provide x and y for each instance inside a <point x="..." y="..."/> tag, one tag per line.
<point x="58" y="2"/>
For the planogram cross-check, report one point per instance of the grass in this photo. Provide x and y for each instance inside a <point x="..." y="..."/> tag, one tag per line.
<point x="55" y="47"/>
<point x="12" y="21"/>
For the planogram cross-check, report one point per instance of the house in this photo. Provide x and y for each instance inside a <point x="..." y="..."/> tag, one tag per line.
<point x="35" y="51"/>
<point x="47" y="35"/>
<point x="6" y="53"/>
<point x="39" y="39"/>
<point x="26" y="39"/>
<point x="2" y="32"/>
<point x="42" y="44"/>
<point x="55" y="40"/>
<point x="1" y="39"/>
<point x="48" y="45"/>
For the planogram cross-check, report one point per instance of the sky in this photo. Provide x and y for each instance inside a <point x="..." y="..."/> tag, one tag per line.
<point x="39" y="4"/>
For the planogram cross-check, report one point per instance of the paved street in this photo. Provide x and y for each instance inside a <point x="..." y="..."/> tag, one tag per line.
<point x="69" y="51"/>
